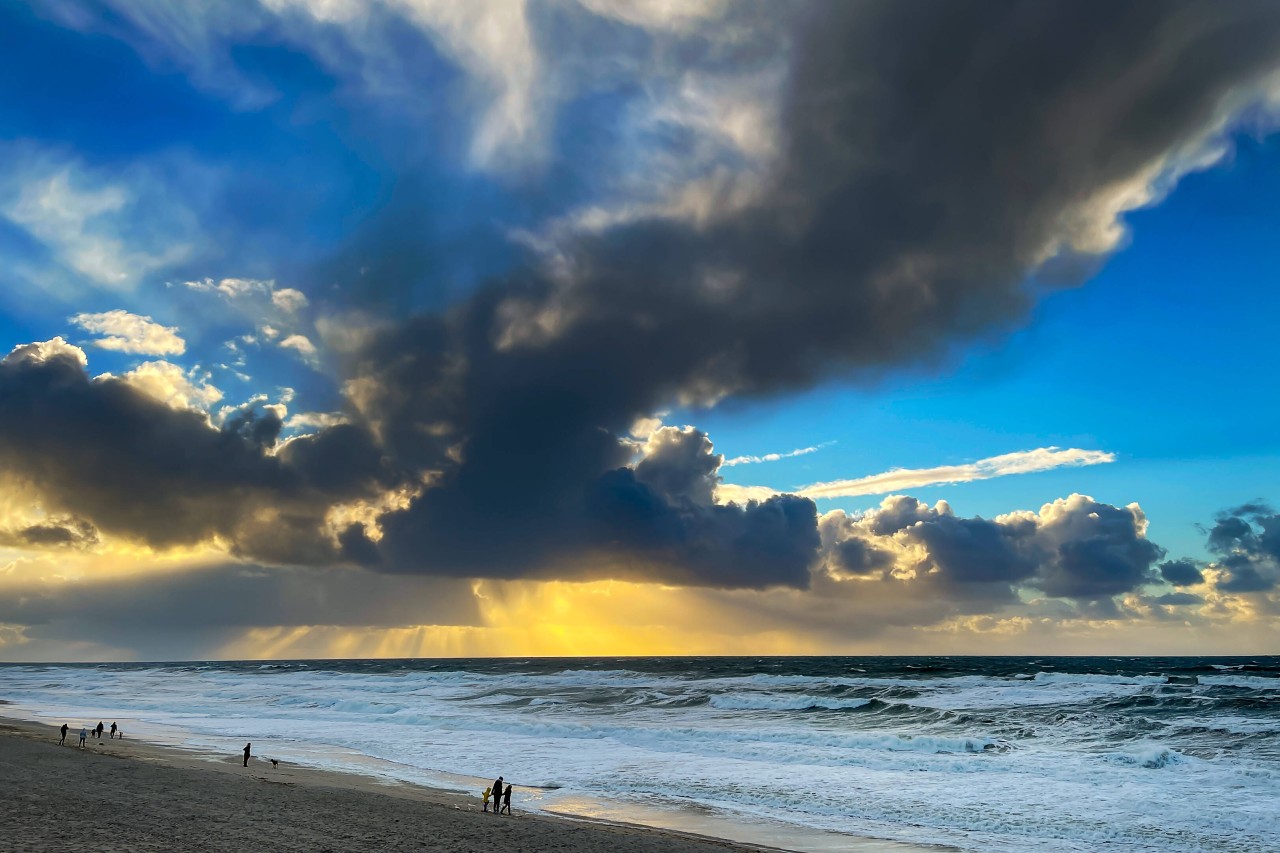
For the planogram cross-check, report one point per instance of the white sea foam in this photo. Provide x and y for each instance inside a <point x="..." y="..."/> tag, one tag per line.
<point x="1252" y="682"/>
<point x="1095" y="678"/>
<point x="791" y="702"/>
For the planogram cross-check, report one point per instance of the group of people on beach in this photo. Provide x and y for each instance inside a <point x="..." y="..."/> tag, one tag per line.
<point x="86" y="732"/>
<point x="501" y="797"/>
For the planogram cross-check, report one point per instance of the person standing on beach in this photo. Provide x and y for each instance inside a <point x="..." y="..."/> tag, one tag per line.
<point x="497" y="794"/>
<point x="99" y="730"/>
<point x="246" y="754"/>
<point x="84" y="735"/>
<point x="113" y="731"/>
<point x="64" y="735"/>
<point x="506" y="800"/>
<point x="486" y="797"/>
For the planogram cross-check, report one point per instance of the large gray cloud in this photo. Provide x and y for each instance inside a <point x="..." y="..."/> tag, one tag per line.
<point x="191" y="611"/>
<point x="1075" y="548"/>
<point x="933" y="160"/>
<point x="934" y="157"/>
<point x="134" y="467"/>
<point x="1184" y="572"/>
<point x="1246" y="540"/>
<point x="1096" y="551"/>
<point x="56" y="532"/>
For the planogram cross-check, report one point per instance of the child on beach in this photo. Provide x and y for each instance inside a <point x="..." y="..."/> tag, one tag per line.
<point x="506" y="799"/>
<point x="84" y="735"/>
<point x="486" y="797"/>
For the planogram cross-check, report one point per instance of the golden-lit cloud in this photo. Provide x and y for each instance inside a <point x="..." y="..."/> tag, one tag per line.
<point x="172" y="385"/>
<point x="123" y="331"/>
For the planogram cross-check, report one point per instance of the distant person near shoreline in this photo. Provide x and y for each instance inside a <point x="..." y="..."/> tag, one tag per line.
<point x="247" y="747"/>
<point x="506" y="799"/>
<point x="84" y="735"/>
<point x="64" y="735"/>
<point x="113" y="731"/>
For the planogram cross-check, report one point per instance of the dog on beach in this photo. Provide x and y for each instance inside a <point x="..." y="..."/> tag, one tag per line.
<point x="275" y="764"/>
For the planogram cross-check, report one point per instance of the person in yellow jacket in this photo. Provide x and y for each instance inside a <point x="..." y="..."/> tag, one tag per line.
<point x="487" y="791"/>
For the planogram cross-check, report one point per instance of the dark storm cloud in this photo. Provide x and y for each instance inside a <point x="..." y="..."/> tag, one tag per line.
<point x="1074" y="548"/>
<point x="758" y="544"/>
<point x="681" y="465"/>
<point x="974" y="550"/>
<point x="1245" y="575"/>
<point x="190" y="611"/>
<point x="1232" y="533"/>
<point x="57" y="532"/>
<point x="244" y="596"/>
<point x="1177" y="599"/>
<point x="858" y="557"/>
<point x="1097" y="550"/>
<point x="1184" y="572"/>
<point x="1247" y="542"/>
<point x="134" y="467"/>
<point x="654" y="521"/>
<point x="934" y="155"/>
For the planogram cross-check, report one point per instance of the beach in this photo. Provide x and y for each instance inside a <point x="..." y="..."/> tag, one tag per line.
<point x="131" y="795"/>
<point x="137" y="796"/>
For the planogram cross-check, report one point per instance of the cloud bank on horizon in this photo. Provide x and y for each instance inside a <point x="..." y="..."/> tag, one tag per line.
<point x="473" y="246"/>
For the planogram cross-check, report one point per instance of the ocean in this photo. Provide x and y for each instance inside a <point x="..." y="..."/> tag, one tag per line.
<point x="980" y="754"/>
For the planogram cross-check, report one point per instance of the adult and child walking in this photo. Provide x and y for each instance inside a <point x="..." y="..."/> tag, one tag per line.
<point x="501" y="797"/>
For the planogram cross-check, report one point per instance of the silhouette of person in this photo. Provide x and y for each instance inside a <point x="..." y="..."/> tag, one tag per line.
<point x="246" y="754"/>
<point x="84" y="735"/>
<point x="497" y="793"/>
<point x="99" y="730"/>
<point x="113" y="731"/>
<point x="64" y="735"/>
<point x="506" y="800"/>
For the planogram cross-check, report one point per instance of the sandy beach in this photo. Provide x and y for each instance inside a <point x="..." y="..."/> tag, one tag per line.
<point x="137" y="796"/>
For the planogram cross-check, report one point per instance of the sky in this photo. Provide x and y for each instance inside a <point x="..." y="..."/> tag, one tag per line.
<point x="623" y="327"/>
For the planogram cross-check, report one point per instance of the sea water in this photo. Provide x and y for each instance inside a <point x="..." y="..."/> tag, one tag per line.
<point x="989" y="754"/>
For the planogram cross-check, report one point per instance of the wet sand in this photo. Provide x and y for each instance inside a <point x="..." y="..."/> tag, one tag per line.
<point x="117" y="795"/>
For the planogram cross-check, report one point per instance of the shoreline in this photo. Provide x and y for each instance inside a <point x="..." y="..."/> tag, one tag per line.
<point x="160" y="780"/>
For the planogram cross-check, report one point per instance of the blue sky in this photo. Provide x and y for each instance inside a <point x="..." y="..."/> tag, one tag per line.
<point x="466" y="295"/>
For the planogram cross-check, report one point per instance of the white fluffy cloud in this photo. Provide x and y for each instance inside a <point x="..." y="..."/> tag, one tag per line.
<point x="300" y="344"/>
<point x="133" y="333"/>
<point x="42" y="351"/>
<point x="173" y="386"/>
<point x="289" y="300"/>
